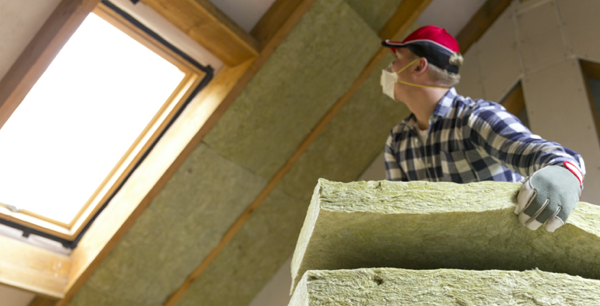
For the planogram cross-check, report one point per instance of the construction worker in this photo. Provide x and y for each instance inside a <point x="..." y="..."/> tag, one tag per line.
<point x="449" y="137"/>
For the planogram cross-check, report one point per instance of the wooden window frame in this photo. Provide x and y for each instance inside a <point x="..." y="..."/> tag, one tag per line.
<point x="186" y="88"/>
<point x="167" y="155"/>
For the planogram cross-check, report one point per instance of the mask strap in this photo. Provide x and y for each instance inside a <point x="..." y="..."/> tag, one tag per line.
<point x="412" y="84"/>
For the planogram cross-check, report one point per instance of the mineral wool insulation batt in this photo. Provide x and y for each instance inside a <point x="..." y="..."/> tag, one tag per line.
<point x="427" y="226"/>
<point x="390" y="286"/>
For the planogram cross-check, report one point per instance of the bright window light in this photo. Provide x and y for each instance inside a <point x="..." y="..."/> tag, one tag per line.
<point x="80" y="118"/>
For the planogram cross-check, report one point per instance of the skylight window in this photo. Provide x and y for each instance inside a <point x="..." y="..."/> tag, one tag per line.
<point x="90" y="116"/>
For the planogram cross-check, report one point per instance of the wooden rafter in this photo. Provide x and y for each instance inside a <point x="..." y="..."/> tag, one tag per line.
<point x="273" y="21"/>
<point x="480" y="23"/>
<point x="514" y="102"/>
<point x="404" y="17"/>
<point x="207" y="25"/>
<point x="591" y="70"/>
<point x="43" y="301"/>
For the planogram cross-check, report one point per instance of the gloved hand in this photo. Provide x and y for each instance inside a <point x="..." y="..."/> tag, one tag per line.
<point x="549" y="194"/>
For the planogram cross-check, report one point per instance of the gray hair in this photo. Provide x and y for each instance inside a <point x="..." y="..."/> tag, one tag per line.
<point x="444" y="78"/>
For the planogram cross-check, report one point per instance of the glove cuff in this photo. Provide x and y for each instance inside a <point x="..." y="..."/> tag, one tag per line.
<point x="575" y="170"/>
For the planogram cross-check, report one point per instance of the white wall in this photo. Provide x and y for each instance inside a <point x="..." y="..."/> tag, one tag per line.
<point x="540" y="43"/>
<point x="19" y="22"/>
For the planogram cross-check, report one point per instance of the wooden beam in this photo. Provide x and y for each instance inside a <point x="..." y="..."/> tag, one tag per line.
<point x="43" y="301"/>
<point x="404" y="17"/>
<point x="514" y="102"/>
<point x="207" y="25"/>
<point x="480" y="23"/>
<point x="411" y="10"/>
<point x="40" y="52"/>
<point x="273" y="20"/>
<point x="32" y="268"/>
<point x="591" y="70"/>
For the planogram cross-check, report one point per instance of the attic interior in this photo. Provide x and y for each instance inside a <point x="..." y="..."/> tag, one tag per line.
<point x="212" y="214"/>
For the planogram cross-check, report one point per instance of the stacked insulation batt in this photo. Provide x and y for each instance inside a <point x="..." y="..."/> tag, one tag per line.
<point x="390" y="286"/>
<point x="424" y="226"/>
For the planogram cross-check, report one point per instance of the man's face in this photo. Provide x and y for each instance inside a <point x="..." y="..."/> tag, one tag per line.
<point x="403" y="58"/>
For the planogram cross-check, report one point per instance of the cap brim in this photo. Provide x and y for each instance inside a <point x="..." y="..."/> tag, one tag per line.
<point x="392" y="44"/>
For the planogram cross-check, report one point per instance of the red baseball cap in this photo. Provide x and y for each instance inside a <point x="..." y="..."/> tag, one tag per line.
<point x="432" y="43"/>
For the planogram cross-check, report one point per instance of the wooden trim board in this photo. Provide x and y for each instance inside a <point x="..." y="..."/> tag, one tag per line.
<point x="32" y="268"/>
<point x="211" y="28"/>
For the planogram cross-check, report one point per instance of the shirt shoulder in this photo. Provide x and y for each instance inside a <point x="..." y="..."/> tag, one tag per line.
<point x="467" y="106"/>
<point x="453" y="105"/>
<point x="476" y="104"/>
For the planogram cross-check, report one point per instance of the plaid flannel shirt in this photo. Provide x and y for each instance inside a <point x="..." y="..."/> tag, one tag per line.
<point x="470" y="141"/>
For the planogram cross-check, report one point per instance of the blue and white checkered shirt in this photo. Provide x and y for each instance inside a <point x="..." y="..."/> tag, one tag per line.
<point x="470" y="141"/>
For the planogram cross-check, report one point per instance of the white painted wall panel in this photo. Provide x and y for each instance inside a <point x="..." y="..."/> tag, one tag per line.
<point x="276" y="291"/>
<point x="375" y="171"/>
<point x="558" y="110"/>
<point x="436" y="13"/>
<point x="582" y="27"/>
<point x="245" y="13"/>
<point x="499" y="57"/>
<point x="19" y="22"/>
<point x="541" y="39"/>
<point x="15" y="297"/>
<point x="470" y="78"/>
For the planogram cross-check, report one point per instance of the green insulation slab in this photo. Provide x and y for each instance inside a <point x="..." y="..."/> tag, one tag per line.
<point x="254" y="254"/>
<point x="186" y="220"/>
<point x="421" y="225"/>
<point x="293" y="90"/>
<point x="351" y="140"/>
<point x="388" y="286"/>
<point x="375" y="15"/>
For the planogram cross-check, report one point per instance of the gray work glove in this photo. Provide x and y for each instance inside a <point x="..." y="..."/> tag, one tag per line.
<point x="549" y="194"/>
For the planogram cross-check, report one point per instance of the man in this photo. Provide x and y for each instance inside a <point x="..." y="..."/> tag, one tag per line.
<point x="452" y="138"/>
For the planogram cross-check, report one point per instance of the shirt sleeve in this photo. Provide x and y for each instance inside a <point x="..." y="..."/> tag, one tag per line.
<point x="507" y="140"/>
<point x="392" y="167"/>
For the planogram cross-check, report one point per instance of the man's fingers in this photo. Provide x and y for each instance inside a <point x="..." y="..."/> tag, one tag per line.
<point x="525" y="197"/>
<point x="553" y="224"/>
<point x="524" y="200"/>
<point x="529" y="221"/>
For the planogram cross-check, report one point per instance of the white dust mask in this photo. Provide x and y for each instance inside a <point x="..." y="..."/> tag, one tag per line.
<point x="389" y="79"/>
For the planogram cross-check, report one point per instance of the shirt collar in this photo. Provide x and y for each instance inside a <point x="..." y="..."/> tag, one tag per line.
<point x="445" y="103"/>
<point x="441" y="109"/>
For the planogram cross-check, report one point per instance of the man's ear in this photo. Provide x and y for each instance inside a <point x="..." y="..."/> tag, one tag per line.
<point x="421" y="65"/>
